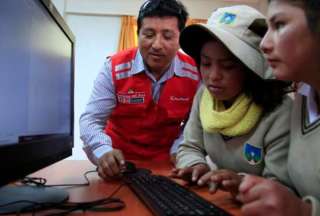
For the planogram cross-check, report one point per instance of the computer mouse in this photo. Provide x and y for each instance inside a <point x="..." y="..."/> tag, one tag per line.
<point x="130" y="167"/>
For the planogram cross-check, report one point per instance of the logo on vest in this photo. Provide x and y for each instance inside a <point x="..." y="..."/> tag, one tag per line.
<point x="174" y="98"/>
<point x="252" y="154"/>
<point x="131" y="97"/>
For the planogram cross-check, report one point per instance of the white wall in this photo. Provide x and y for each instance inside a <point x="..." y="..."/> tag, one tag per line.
<point x="96" y="25"/>
<point x="98" y="39"/>
<point x="197" y="8"/>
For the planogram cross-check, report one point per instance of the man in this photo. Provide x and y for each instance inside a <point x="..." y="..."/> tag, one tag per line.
<point x="142" y="96"/>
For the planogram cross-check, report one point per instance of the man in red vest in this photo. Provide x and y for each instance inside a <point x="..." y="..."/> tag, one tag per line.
<point x="142" y="96"/>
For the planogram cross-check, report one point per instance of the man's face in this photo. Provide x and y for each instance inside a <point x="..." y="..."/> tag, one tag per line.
<point x="159" y="43"/>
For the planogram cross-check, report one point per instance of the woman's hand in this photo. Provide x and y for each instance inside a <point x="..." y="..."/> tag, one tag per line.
<point x="190" y="174"/>
<point x="223" y="179"/>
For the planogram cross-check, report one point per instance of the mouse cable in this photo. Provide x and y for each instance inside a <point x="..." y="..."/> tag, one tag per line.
<point x="107" y="204"/>
<point x="42" y="182"/>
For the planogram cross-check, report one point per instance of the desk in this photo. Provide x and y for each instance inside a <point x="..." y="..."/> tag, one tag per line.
<point x="71" y="172"/>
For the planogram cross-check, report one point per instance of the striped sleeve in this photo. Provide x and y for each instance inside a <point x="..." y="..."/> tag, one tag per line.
<point x="92" y="122"/>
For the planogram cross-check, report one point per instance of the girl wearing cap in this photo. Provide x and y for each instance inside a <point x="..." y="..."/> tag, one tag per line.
<point x="292" y="47"/>
<point x="239" y="118"/>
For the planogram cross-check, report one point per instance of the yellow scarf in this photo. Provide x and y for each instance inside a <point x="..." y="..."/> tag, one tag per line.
<point x="237" y="120"/>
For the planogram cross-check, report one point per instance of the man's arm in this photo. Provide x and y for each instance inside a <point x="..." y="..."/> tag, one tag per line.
<point x="98" y="109"/>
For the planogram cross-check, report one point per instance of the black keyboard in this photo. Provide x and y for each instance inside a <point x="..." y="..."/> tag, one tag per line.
<point x="165" y="197"/>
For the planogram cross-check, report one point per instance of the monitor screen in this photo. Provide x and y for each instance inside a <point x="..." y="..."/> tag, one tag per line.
<point x="36" y="87"/>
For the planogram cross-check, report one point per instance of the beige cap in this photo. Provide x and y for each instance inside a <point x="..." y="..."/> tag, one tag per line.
<point x="240" y="28"/>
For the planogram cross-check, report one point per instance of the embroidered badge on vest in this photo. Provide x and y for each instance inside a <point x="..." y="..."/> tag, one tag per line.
<point x="252" y="154"/>
<point x="131" y="97"/>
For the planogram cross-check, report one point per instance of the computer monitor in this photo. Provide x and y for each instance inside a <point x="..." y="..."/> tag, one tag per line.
<point x="36" y="90"/>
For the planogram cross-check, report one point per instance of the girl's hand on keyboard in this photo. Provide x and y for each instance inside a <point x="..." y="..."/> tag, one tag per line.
<point x="190" y="174"/>
<point x="223" y="179"/>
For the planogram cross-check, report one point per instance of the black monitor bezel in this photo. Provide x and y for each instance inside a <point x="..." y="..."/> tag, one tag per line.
<point x="54" y="147"/>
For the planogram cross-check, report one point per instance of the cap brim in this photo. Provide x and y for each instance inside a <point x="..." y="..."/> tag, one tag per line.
<point x="194" y="36"/>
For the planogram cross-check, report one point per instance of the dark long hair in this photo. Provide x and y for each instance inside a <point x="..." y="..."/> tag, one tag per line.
<point x="267" y="93"/>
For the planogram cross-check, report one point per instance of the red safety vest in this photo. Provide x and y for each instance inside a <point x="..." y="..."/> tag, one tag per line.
<point x="139" y="127"/>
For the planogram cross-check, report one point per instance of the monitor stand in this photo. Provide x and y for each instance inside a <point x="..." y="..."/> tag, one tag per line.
<point x="30" y="195"/>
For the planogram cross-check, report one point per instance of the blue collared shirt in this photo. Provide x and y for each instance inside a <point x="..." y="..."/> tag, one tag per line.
<point x="103" y="100"/>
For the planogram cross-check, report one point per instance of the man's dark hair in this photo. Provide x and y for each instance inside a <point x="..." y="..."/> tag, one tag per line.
<point x="163" y="8"/>
<point x="312" y="11"/>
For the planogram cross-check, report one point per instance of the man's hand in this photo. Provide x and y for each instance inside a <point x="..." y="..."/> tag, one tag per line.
<point x="191" y="174"/>
<point x="111" y="164"/>
<point x="267" y="197"/>
<point x="224" y="179"/>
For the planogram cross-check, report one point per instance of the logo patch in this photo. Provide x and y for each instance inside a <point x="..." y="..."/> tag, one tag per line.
<point x="131" y="97"/>
<point x="252" y="154"/>
<point x="227" y="18"/>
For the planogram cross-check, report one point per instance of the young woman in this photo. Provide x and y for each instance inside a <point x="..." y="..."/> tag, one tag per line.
<point x="292" y="47"/>
<point x="239" y="118"/>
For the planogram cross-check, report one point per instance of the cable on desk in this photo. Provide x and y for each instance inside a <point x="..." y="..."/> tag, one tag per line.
<point x="101" y="205"/>
<point x="107" y="204"/>
<point x="38" y="181"/>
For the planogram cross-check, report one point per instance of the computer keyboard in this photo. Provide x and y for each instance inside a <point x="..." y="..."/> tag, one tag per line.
<point x="164" y="197"/>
